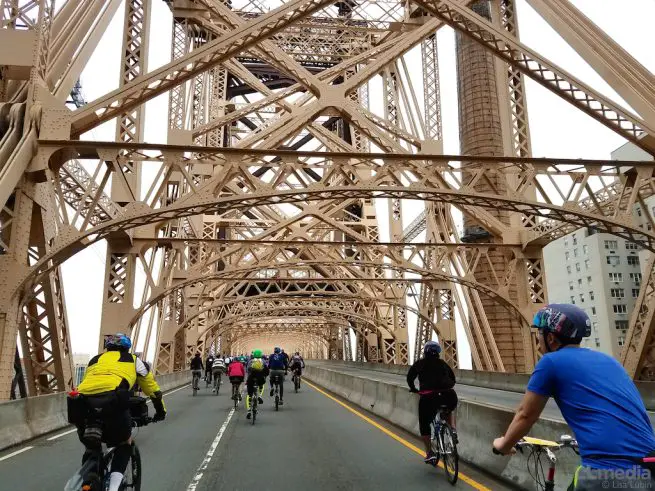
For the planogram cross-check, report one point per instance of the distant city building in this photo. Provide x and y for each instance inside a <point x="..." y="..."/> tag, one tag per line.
<point x="601" y="273"/>
<point x="80" y="362"/>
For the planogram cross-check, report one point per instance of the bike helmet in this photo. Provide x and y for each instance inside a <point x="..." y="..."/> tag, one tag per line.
<point x="118" y="340"/>
<point x="567" y="322"/>
<point x="431" y="348"/>
<point x="277" y="350"/>
<point x="257" y="353"/>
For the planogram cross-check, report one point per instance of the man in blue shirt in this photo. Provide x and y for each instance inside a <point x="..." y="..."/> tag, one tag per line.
<point x="597" y="398"/>
<point x="278" y="365"/>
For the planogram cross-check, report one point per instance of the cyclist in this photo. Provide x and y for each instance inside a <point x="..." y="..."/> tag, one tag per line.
<point x="286" y="356"/>
<point x="208" y="368"/>
<point x="106" y="389"/>
<point x="278" y="366"/>
<point x="257" y="373"/>
<point x="296" y="365"/>
<point x="236" y="372"/>
<point x="596" y="396"/>
<point x="196" y="369"/>
<point x="436" y="380"/>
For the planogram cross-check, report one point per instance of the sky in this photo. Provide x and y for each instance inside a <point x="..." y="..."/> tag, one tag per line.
<point x="557" y="129"/>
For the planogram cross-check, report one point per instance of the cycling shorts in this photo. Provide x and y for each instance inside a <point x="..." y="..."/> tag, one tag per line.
<point x="279" y="374"/>
<point x="236" y="380"/>
<point x="429" y="404"/>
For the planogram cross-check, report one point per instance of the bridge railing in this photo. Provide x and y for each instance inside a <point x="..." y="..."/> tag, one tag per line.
<point x="28" y="418"/>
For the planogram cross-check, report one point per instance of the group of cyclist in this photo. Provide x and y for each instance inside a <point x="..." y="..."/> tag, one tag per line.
<point x="595" y="395"/>
<point x="256" y="367"/>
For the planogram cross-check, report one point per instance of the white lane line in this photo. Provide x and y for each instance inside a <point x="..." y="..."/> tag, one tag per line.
<point x="13" y="454"/>
<point x="61" y="434"/>
<point x="210" y="453"/>
<point x="179" y="388"/>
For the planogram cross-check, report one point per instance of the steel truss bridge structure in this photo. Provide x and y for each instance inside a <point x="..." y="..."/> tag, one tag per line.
<point x="261" y="219"/>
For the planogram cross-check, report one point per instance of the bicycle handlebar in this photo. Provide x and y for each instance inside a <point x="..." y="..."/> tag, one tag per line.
<point x="564" y="442"/>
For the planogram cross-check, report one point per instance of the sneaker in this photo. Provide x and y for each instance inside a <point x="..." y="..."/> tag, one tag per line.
<point x="271" y="392"/>
<point x="249" y="415"/>
<point x="260" y="400"/>
<point x="281" y="402"/>
<point x="430" y="458"/>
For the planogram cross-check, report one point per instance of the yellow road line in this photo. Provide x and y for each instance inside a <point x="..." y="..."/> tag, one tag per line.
<point x="471" y="482"/>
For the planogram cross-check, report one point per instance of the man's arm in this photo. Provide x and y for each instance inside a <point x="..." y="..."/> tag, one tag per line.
<point x="411" y="376"/>
<point x="527" y="414"/>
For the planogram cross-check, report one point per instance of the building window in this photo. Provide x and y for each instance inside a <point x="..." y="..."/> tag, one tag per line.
<point x="575" y="240"/>
<point x="594" y="325"/>
<point x="616" y="277"/>
<point x="636" y="277"/>
<point x="597" y="340"/>
<point x="572" y="299"/>
<point x="566" y="255"/>
<point x="585" y="249"/>
<point x="611" y="244"/>
<point x="635" y="292"/>
<point x="631" y="246"/>
<point x="577" y="267"/>
<point x="620" y="340"/>
<point x="593" y="310"/>
<point x="638" y="210"/>
<point x="568" y="269"/>
<point x="586" y="264"/>
<point x="570" y="285"/>
<point x="613" y="260"/>
<point x="621" y="324"/>
<point x="582" y="298"/>
<point x="617" y="292"/>
<point x="575" y="253"/>
<point x="589" y="280"/>
<point x="633" y="260"/>
<point x="619" y="308"/>
<point x="580" y="282"/>
<point x="566" y="242"/>
<point x="591" y="295"/>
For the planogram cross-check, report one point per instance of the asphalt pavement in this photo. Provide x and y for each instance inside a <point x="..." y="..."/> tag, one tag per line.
<point x="313" y="443"/>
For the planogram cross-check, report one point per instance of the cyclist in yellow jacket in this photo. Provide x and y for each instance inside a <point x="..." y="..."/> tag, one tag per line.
<point x="106" y="395"/>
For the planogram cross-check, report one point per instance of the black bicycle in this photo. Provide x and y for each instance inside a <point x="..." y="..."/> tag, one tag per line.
<point x="96" y="470"/>
<point x="195" y="381"/>
<point x="538" y="448"/>
<point x="254" y="403"/>
<point x="276" y="390"/>
<point x="444" y="445"/>
<point x="296" y="379"/>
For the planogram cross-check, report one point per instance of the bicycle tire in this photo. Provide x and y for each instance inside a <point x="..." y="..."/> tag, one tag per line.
<point x="135" y="468"/>
<point x="450" y="456"/>
<point x="254" y="413"/>
<point x="277" y="401"/>
<point x="436" y="449"/>
<point x="217" y="384"/>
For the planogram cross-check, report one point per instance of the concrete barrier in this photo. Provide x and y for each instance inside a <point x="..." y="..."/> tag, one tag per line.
<point x="510" y="382"/>
<point x="477" y="424"/>
<point x="24" y="419"/>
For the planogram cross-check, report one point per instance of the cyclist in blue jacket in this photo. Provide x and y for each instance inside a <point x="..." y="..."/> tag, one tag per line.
<point x="278" y="365"/>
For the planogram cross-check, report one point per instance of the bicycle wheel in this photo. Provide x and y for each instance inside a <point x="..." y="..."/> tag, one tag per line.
<point x="436" y="449"/>
<point x="277" y="400"/>
<point x="132" y="479"/>
<point x="254" y="409"/>
<point x="449" y="454"/>
<point x="217" y="383"/>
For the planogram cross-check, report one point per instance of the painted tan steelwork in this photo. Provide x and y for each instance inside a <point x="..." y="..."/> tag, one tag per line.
<point x="278" y="237"/>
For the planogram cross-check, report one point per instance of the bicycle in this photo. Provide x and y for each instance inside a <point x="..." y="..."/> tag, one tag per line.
<point x="195" y="382"/>
<point x="217" y="381"/>
<point x="208" y="379"/>
<point x="276" y="391"/>
<point x="235" y="394"/>
<point x="99" y="465"/>
<point x="253" y="404"/>
<point x="296" y="379"/>
<point x="444" y="446"/>
<point x="539" y="447"/>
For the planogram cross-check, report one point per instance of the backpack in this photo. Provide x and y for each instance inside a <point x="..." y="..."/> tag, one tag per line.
<point x="256" y="365"/>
